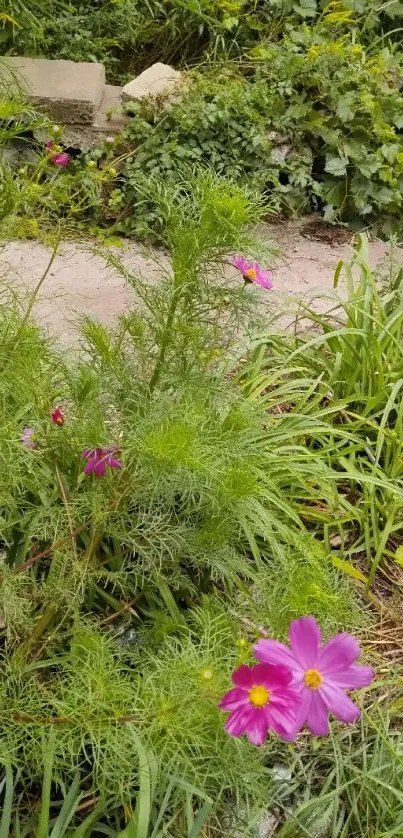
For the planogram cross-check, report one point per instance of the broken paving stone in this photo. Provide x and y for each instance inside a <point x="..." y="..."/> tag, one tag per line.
<point x="108" y="121"/>
<point x="157" y="80"/>
<point x="69" y="91"/>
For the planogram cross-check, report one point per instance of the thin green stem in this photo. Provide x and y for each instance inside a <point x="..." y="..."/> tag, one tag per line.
<point x="48" y="754"/>
<point x="159" y="364"/>
<point x="45" y="621"/>
<point x="5" y="822"/>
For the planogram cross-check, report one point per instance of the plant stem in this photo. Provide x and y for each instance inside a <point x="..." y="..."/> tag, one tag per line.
<point x="7" y="802"/>
<point x="164" y="341"/>
<point x="48" y="754"/>
<point x="47" y="617"/>
<point x="67" y="508"/>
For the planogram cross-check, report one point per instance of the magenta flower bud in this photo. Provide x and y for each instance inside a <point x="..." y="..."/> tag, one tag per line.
<point x="61" y="159"/>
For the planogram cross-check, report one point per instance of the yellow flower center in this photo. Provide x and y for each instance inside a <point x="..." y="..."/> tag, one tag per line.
<point x="251" y="274"/>
<point x="313" y="679"/>
<point x="259" y="696"/>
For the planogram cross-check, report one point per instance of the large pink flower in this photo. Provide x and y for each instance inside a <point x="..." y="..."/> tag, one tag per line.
<point x="321" y="673"/>
<point x="261" y="699"/>
<point x="99" y="458"/>
<point x="253" y="272"/>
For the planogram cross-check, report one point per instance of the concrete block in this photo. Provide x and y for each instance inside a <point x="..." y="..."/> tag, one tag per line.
<point x="70" y="92"/>
<point x="157" y="80"/>
<point x="108" y="122"/>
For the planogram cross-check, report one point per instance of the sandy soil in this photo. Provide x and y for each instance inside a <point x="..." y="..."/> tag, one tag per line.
<point x="80" y="284"/>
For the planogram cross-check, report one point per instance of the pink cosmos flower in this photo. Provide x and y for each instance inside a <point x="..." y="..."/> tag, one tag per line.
<point x="28" y="438"/>
<point x="253" y="272"/>
<point x="321" y="673"/>
<point x="61" y="159"/>
<point x="99" y="458"/>
<point x="261" y="699"/>
<point x="57" y="416"/>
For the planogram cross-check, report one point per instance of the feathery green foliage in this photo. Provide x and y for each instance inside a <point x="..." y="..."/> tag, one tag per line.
<point x="127" y="600"/>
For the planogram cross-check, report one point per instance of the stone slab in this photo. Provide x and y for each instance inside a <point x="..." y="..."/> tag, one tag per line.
<point x="108" y="122"/>
<point x="157" y="80"/>
<point x="71" y="92"/>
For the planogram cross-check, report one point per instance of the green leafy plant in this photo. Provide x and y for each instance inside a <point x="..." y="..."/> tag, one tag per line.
<point x="353" y="369"/>
<point x="107" y="580"/>
<point x="128" y="598"/>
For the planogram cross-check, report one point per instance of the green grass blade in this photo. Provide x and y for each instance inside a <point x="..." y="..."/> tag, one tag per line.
<point x="7" y="803"/>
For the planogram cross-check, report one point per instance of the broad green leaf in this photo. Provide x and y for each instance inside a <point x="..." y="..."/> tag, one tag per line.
<point x="336" y="166"/>
<point x="399" y="556"/>
<point x="349" y="569"/>
<point x="344" y="108"/>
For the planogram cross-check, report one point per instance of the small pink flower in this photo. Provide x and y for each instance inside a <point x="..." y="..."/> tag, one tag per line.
<point x="261" y="699"/>
<point x="57" y="416"/>
<point x="61" y="159"/>
<point x="253" y="272"/>
<point x="28" y="438"/>
<point x="49" y="145"/>
<point x="321" y="673"/>
<point x="99" y="458"/>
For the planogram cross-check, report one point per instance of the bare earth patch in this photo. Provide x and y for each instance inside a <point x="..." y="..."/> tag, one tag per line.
<point x="81" y="284"/>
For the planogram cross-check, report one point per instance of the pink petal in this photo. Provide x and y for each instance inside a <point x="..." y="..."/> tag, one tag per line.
<point x="234" y="698"/>
<point x="283" y="722"/>
<point x="243" y="677"/>
<point x="352" y="678"/>
<point x="273" y="677"/>
<point x="285" y="698"/>
<point x="339" y="703"/>
<point x="239" y="720"/>
<point x="91" y="465"/>
<point x="301" y="715"/>
<point x="264" y="283"/>
<point x="258" y="727"/>
<point x="99" y="468"/>
<point x="110" y="461"/>
<point x="240" y="263"/>
<point x="305" y="640"/>
<point x="340" y="651"/>
<point x="263" y="278"/>
<point x="274" y="652"/>
<point x="317" y="715"/>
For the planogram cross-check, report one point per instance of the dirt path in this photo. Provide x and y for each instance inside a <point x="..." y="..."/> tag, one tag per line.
<point x="80" y="284"/>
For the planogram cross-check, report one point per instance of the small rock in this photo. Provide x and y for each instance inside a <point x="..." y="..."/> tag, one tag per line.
<point x="281" y="773"/>
<point x="268" y="824"/>
<point x="280" y="147"/>
<point x="265" y="827"/>
<point x="280" y="152"/>
<point x="158" y="80"/>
